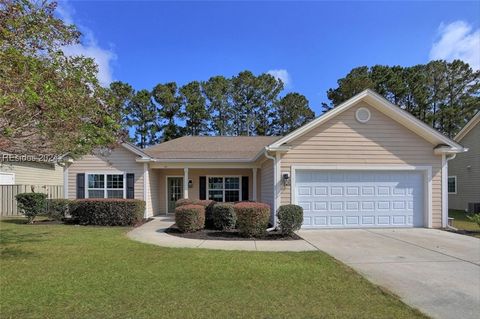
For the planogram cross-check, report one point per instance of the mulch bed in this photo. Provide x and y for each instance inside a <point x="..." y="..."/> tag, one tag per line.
<point x="210" y="234"/>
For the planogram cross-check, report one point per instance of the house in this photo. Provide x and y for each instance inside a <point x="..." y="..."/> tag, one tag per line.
<point x="20" y="175"/>
<point x="464" y="170"/>
<point x="30" y="173"/>
<point x="366" y="163"/>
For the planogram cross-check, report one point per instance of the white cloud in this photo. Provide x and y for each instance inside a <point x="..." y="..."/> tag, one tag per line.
<point x="457" y="40"/>
<point x="89" y="46"/>
<point x="281" y="74"/>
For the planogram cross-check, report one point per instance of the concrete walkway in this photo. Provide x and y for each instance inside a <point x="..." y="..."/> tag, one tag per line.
<point x="154" y="233"/>
<point x="433" y="270"/>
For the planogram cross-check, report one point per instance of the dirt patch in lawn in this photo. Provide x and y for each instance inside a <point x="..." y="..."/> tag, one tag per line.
<point x="210" y="234"/>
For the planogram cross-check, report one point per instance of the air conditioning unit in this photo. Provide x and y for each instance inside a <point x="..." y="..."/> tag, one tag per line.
<point x="473" y="208"/>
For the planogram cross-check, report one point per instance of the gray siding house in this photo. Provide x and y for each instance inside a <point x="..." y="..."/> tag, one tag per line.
<point x="464" y="169"/>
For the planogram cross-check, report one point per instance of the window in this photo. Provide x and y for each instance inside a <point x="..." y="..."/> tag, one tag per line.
<point x="106" y="186"/>
<point x="452" y="184"/>
<point x="224" y="189"/>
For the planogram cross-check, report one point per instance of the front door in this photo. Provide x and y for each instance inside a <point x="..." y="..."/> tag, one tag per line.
<point x="174" y="192"/>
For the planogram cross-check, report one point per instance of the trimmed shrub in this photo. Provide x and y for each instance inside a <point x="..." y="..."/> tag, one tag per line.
<point x="57" y="208"/>
<point x="208" y="204"/>
<point x="252" y="218"/>
<point x="185" y="201"/>
<point x="31" y="204"/>
<point x="108" y="212"/>
<point x="190" y="218"/>
<point x="290" y="218"/>
<point x="224" y="216"/>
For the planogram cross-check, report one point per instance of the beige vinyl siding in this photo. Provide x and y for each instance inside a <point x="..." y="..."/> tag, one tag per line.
<point x="34" y="173"/>
<point x="382" y="140"/>
<point x="153" y="192"/>
<point x="266" y="183"/>
<point x="194" y="175"/>
<point x="468" y="179"/>
<point x="119" y="160"/>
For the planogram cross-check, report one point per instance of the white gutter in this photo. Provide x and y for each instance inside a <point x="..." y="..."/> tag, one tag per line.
<point x="274" y="159"/>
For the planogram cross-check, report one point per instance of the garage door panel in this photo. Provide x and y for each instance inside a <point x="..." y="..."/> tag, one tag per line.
<point x="360" y="199"/>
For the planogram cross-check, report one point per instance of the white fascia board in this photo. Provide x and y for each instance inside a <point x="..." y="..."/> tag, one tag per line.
<point x="468" y="127"/>
<point x="135" y="150"/>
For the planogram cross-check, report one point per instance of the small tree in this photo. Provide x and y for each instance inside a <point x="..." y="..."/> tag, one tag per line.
<point x="31" y="204"/>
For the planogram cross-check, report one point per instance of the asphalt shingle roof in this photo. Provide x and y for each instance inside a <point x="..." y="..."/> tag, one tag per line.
<point x="211" y="147"/>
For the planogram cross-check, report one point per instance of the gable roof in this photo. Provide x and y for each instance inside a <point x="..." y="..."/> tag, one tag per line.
<point x="134" y="149"/>
<point x="468" y="127"/>
<point x="386" y="107"/>
<point x="220" y="148"/>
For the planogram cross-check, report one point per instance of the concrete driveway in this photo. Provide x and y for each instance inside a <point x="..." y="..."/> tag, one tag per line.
<point x="434" y="271"/>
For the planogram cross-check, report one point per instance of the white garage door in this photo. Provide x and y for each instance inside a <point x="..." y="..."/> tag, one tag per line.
<point x="360" y="198"/>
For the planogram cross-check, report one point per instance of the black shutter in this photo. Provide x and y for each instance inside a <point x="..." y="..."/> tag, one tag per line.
<point x="130" y="185"/>
<point x="80" y="186"/>
<point x="203" y="188"/>
<point x="244" y="187"/>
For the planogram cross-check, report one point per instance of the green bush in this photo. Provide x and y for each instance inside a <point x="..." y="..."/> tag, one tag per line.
<point x="474" y="218"/>
<point x="108" y="212"/>
<point x="190" y="218"/>
<point x="224" y="216"/>
<point x="252" y="218"/>
<point x="290" y="218"/>
<point x="57" y="208"/>
<point x="208" y="204"/>
<point x="31" y="204"/>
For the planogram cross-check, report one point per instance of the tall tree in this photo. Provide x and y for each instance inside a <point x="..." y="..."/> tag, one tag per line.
<point x="195" y="111"/>
<point x="50" y="103"/>
<point x="217" y="91"/>
<point x="169" y="102"/>
<point x="292" y="111"/>
<point x="120" y="94"/>
<point x="268" y="89"/>
<point x="142" y="114"/>
<point x="355" y="82"/>
<point x="245" y="99"/>
<point x="443" y="94"/>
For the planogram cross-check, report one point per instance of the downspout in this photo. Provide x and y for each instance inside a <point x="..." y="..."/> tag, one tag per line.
<point x="448" y="158"/>
<point x="274" y="159"/>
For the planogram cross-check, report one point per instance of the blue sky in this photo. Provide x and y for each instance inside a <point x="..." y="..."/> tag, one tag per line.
<point x="311" y="44"/>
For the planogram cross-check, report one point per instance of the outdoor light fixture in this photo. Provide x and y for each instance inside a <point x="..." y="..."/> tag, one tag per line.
<point x="190" y="183"/>
<point x="286" y="179"/>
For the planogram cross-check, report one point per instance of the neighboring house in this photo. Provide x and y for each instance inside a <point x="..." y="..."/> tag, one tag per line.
<point x="26" y="176"/>
<point x="30" y="173"/>
<point x="366" y="163"/>
<point x="464" y="170"/>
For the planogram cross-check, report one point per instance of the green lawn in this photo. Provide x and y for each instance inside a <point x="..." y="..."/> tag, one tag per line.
<point x="60" y="271"/>
<point x="463" y="223"/>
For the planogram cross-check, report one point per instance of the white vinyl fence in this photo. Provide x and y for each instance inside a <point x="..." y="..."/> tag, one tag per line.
<point x="8" y="203"/>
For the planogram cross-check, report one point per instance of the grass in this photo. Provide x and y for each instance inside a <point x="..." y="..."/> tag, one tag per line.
<point x="65" y="271"/>
<point x="463" y="223"/>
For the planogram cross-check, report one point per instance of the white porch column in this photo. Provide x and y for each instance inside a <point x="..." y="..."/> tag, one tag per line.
<point x="185" y="182"/>
<point x="254" y="183"/>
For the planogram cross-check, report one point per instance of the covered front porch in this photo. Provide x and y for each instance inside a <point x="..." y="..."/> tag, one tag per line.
<point x="223" y="183"/>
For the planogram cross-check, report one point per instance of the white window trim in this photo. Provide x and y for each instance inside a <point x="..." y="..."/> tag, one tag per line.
<point x="427" y="174"/>
<point x="105" y="189"/>
<point x="8" y="173"/>
<point x="223" y="189"/>
<point x="454" y="177"/>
